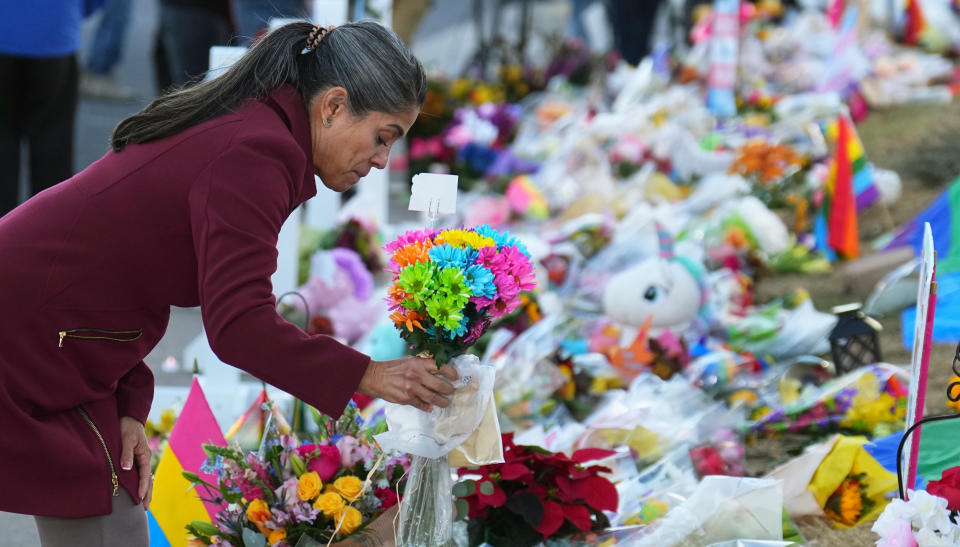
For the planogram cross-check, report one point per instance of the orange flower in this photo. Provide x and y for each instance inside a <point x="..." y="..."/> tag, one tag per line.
<point x="413" y="253"/>
<point x="396" y="294"/>
<point x="408" y="318"/>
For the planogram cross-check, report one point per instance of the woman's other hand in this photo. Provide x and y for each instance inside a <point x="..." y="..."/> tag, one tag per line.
<point x="135" y="450"/>
<point x="411" y="381"/>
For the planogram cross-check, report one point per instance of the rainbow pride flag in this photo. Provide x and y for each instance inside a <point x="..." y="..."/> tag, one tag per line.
<point x="175" y="504"/>
<point x="850" y="188"/>
<point x="915" y="23"/>
<point x="944" y="218"/>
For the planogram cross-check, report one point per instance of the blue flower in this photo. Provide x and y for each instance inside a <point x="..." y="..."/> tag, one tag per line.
<point x="447" y="256"/>
<point x="503" y="239"/>
<point x="480" y="280"/>
<point x="462" y="328"/>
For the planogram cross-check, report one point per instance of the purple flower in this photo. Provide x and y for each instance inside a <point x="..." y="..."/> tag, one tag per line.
<point x="352" y="263"/>
<point x="303" y="512"/>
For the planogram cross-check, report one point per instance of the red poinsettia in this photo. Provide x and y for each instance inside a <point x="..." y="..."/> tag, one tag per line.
<point x="546" y="492"/>
<point x="948" y="487"/>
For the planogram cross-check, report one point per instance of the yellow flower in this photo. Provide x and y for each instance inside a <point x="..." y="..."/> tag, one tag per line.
<point x="460" y="88"/>
<point x="167" y="419"/>
<point x="276" y="536"/>
<point x="194" y="542"/>
<point x="464" y="238"/>
<point x="258" y="512"/>
<point x="329" y="503"/>
<point x="850" y="504"/>
<point x="349" y="487"/>
<point x="309" y="486"/>
<point x="349" y="519"/>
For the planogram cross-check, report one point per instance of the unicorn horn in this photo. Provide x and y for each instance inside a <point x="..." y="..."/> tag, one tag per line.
<point x="665" y="240"/>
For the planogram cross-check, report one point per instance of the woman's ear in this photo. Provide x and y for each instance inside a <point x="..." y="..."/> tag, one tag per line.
<point x="334" y="102"/>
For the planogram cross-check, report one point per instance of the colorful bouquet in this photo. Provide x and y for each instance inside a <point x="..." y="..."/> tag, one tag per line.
<point x="450" y="285"/>
<point x="535" y="495"/>
<point x="297" y="494"/>
<point x="923" y="521"/>
<point x="870" y="400"/>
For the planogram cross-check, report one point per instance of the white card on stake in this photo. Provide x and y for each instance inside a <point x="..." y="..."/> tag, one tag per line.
<point x="433" y="192"/>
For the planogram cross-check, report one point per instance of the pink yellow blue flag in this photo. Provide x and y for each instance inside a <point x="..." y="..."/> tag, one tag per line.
<point x="175" y="504"/>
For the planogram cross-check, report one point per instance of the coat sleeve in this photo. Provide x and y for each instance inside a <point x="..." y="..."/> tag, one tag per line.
<point x="135" y="393"/>
<point x="237" y="207"/>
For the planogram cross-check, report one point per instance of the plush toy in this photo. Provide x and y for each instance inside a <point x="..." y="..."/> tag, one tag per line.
<point x="670" y="289"/>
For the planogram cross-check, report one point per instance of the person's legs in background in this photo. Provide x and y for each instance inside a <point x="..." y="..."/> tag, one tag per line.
<point x="49" y="128"/>
<point x="105" y="52"/>
<point x="39" y="112"/>
<point x="188" y="33"/>
<point x="576" y="28"/>
<point x="10" y="136"/>
<point x="632" y="23"/>
<point x="253" y="16"/>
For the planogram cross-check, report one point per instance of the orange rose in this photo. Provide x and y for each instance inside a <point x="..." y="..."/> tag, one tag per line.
<point x="276" y="536"/>
<point x="258" y="512"/>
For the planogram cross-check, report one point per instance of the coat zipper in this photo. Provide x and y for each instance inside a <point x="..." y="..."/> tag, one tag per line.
<point x="101" y="334"/>
<point x="113" y="472"/>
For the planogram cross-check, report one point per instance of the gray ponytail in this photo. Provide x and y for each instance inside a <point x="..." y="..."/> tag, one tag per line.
<point x="368" y="60"/>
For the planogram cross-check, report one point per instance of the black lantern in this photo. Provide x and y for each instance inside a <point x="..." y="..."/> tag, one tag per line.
<point x="854" y="341"/>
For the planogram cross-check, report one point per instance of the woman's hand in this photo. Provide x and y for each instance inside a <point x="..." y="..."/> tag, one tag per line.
<point x="411" y="381"/>
<point x="134" y="447"/>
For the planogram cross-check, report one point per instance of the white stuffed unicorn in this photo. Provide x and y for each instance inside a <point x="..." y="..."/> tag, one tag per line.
<point x="668" y="289"/>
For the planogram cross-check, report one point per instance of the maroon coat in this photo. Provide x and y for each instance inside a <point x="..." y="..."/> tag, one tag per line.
<point x="90" y="268"/>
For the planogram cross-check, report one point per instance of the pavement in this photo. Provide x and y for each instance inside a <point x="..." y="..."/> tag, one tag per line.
<point x="446" y="41"/>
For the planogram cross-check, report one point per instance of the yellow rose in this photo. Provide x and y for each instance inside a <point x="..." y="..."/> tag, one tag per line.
<point x="258" y="512"/>
<point x="349" y="487"/>
<point x="276" y="536"/>
<point x="309" y="486"/>
<point x="352" y="519"/>
<point x="329" y="503"/>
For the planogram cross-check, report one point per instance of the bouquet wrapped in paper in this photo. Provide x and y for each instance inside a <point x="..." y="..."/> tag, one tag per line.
<point x="293" y="494"/>
<point x="448" y="287"/>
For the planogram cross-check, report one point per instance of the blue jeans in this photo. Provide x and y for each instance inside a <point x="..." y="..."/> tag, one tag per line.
<point x="254" y="15"/>
<point x="108" y="41"/>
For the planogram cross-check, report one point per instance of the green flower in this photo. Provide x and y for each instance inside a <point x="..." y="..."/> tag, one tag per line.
<point x="417" y="280"/>
<point x="454" y="284"/>
<point x="446" y="311"/>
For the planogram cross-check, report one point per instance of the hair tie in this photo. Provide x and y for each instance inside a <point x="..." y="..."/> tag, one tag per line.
<point x="316" y="36"/>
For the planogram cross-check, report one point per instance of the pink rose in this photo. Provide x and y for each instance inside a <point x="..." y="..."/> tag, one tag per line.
<point x="322" y="458"/>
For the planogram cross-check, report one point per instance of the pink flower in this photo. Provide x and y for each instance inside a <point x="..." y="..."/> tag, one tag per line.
<point x="353" y="451"/>
<point x="476" y="330"/>
<point x="492" y="259"/>
<point x="287" y="492"/>
<point x="408" y="237"/>
<point x="249" y="490"/>
<point x="322" y="458"/>
<point x="897" y="533"/>
<point x="388" y="498"/>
